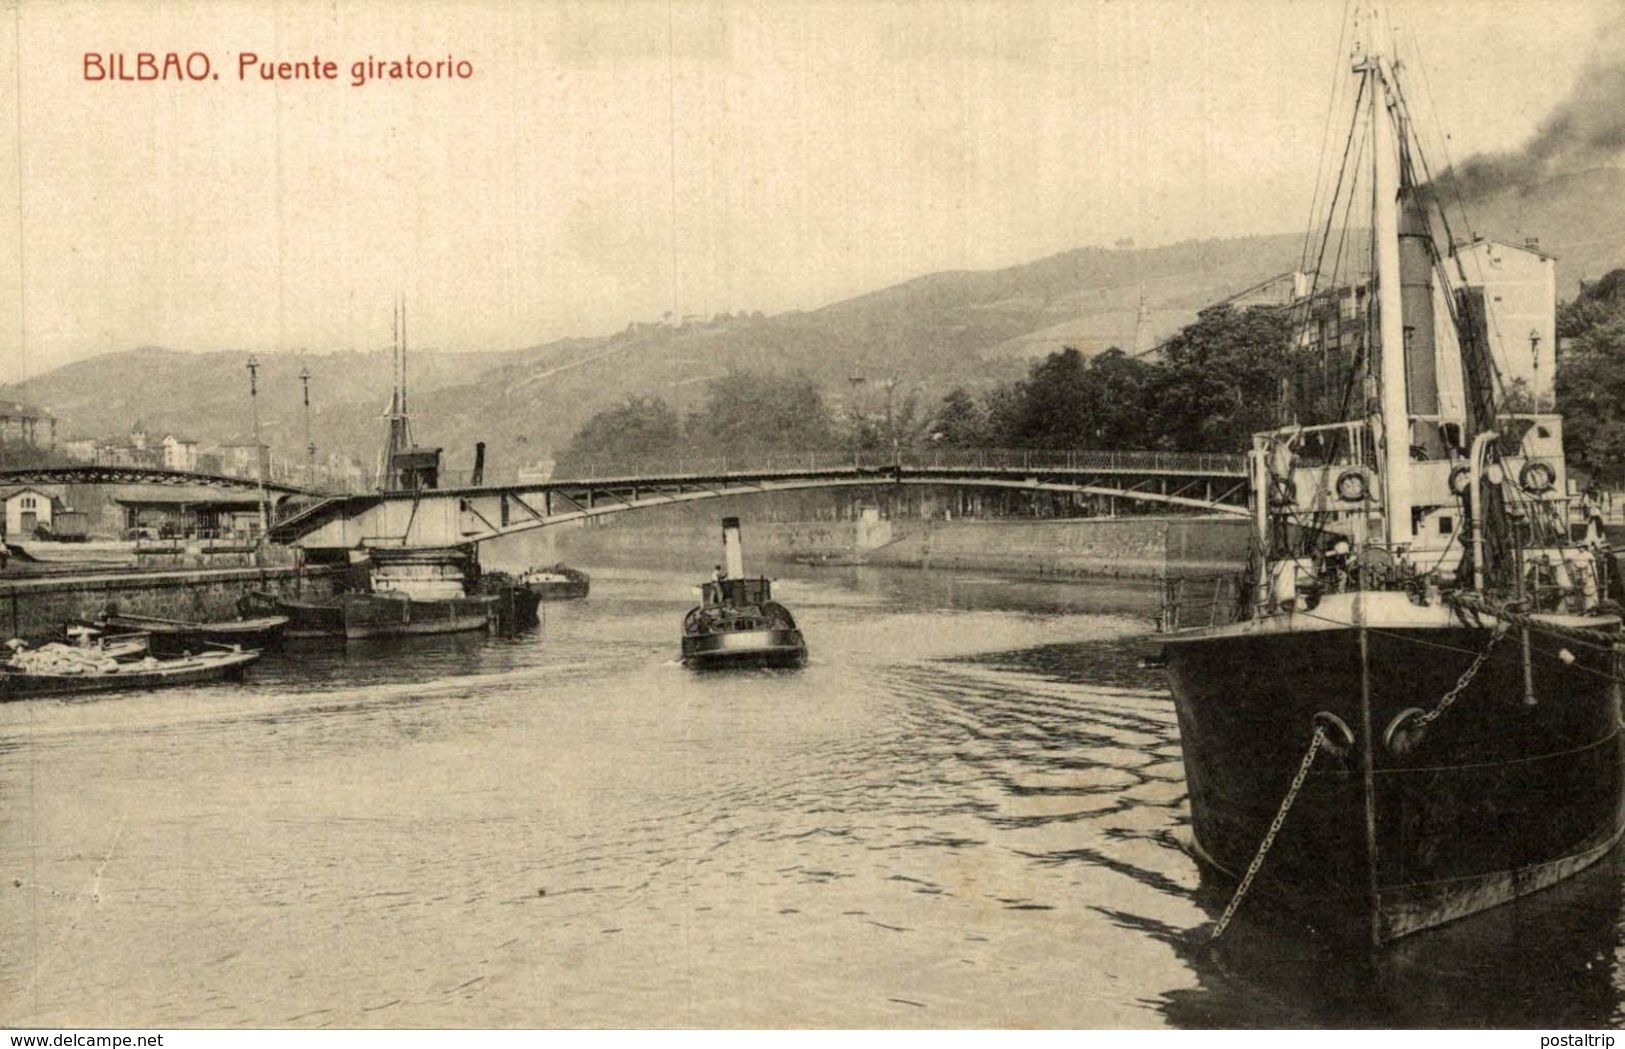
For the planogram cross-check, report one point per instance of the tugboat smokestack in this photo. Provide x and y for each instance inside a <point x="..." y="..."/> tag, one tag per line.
<point x="733" y="550"/>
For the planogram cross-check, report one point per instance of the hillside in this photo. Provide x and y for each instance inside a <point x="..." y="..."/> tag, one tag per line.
<point x="934" y="331"/>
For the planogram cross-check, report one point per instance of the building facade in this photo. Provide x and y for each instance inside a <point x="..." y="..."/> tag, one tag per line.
<point x="179" y="453"/>
<point x="1511" y="294"/>
<point x="27" y="509"/>
<point x="24" y="424"/>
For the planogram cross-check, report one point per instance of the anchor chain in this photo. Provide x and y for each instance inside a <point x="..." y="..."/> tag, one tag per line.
<point x="1315" y="743"/>
<point x="1463" y="681"/>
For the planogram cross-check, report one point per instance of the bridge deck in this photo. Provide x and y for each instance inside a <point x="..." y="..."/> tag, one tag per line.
<point x="463" y="513"/>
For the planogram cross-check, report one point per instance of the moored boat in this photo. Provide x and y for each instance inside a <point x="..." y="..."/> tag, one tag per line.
<point x="737" y="622"/>
<point x="1407" y="710"/>
<point x="516" y="605"/>
<point x="175" y="636"/>
<point x="358" y="615"/>
<point x="557" y="583"/>
<point x="59" y="670"/>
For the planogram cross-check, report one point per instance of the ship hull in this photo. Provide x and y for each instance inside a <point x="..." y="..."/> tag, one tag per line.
<point x="1498" y="799"/>
<point x="369" y="615"/>
<point x="359" y="616"/>
<point x="559" y="589"/>
<point x="745" y="648"/>
<point x="171" y="639"/>
<point x="217" y="666"/>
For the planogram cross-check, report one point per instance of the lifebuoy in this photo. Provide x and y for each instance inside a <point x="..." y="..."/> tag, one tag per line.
<point x="1537" y="476"/>
<point x="1351" y="486"/>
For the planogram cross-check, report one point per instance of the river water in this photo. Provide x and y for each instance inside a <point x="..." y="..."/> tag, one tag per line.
<point x="966" y="811"/>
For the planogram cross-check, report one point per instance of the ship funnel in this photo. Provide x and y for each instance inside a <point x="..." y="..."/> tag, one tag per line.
<point x="733" y="550"/>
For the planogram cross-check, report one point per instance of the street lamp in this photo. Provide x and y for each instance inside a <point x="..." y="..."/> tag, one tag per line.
<point x="1534" y="359"/>
<point x="259" y="457"/>
<point x="857" y="380"/>
<point x="310" y="446"/>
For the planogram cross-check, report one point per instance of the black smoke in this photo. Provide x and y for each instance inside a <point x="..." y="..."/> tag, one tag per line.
<point x="1586" y="130"/>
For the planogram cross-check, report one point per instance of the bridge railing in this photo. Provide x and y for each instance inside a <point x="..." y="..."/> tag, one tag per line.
<point x="947" y="460"/>
<point x="950" y="459"/>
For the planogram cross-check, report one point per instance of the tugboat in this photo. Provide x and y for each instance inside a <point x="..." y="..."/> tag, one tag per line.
<point x="1410" y="712"/>
<point x="737" y="622"/>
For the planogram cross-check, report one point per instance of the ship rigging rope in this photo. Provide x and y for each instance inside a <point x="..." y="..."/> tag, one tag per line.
<point x="1535" y="626"/>
<point x="1600" y="639"/>
<point x="1316" y="741"/>
<point x="1331" y="205"/>
<point x="1321" y="169"/>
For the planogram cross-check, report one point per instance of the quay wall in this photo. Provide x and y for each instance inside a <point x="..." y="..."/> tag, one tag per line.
<point x="35" y="609"/>
<point x="1070" y="548"/>
<point x="1100" y="547"/>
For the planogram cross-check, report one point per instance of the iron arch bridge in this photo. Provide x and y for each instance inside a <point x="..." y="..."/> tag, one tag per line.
<point x="136" y="475"/>
<point x="449" y="516"/>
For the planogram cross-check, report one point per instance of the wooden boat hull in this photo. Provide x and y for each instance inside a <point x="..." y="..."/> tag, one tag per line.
<point x="357" y="616"/>
<point x="515" y="606"/>
<point x="1499" y="798"/>
<point x="221" y="666"/>
<point x="174" y="638"/>
<point x="308" y="619"/>
<point x="741" y="648"/>
<point x="572" y="587"/>
<point x="373" y="615"/>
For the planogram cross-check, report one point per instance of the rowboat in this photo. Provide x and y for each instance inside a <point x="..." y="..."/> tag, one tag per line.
<point x="177" y="636"/>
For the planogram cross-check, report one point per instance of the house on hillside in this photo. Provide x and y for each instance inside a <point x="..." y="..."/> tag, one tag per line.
<point x="24" y="424"/>
<point x="133" y="451"/>
<point x="238" y="460"/>
<point x="81" y="449"/>
<point x="179" y="453"/>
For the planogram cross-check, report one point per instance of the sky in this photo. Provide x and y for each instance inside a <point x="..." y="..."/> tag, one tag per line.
<point x="608" y="162"/>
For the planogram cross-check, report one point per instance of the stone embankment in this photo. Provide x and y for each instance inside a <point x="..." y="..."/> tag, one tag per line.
<point x="1072" y="548"/>
<point x="36" y="608"/>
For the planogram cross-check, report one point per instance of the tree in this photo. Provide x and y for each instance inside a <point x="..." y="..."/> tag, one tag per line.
<point x="1590" y="382"/>
<point x="1591" y="396"/>
<point x="1124" y="417"/>
<point x="1058" y="403"/>
<point x="1222" y="379"/>
<point x="637" y="428"/>
<point x="747" y="412"/>
<point x="960" y="421"/>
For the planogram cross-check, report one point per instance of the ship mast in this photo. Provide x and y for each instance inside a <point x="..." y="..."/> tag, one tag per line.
<point x="399" y="438"/>
<point x="1395" y="407"/>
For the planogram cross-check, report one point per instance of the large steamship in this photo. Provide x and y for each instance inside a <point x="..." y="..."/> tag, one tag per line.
<point x="1410" y="712"/>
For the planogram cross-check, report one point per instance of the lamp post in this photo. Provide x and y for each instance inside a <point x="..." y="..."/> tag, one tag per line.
<point x="1534" y="360"/>
<point x="857" y="380"/>
<point x="259" y="449"/>
<point x="310" y="446"/>
<point x="891" y="425"/>
<point x="891" y="422"/>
